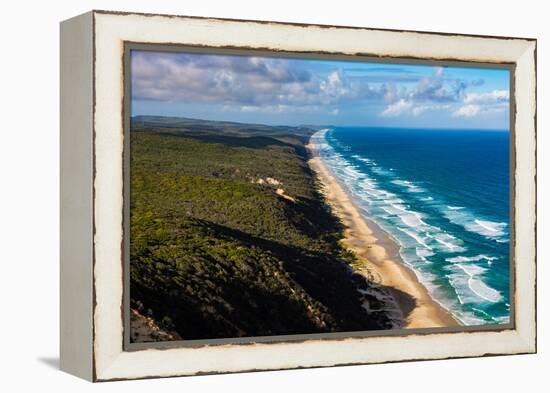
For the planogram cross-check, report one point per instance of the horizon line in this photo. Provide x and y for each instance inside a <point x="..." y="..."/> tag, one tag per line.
<point x="328" y="125"/>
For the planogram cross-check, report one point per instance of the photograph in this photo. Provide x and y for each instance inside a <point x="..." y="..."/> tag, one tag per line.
<point x="276" y="195"/>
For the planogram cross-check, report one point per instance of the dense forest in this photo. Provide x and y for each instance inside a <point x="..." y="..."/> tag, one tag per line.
<point x="230" y="236"/>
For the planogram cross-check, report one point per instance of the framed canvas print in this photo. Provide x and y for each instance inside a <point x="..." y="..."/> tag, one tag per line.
<point x="246" y="195"/>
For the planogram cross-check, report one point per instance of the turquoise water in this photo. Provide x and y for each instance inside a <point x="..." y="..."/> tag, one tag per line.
<point x="443" y="195"/>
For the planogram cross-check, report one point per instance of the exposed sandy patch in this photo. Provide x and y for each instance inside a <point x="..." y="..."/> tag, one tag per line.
<point x="281" y="192"/>
<point x="145" y="329"/>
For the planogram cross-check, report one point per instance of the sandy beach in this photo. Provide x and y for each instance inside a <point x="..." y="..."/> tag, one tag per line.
<point x="379" y="258"/>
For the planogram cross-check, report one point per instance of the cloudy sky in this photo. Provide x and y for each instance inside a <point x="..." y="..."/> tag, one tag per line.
<point x="297" y="91"/>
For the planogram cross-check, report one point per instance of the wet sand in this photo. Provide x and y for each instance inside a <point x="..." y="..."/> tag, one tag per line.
<point x="379" y="258"/>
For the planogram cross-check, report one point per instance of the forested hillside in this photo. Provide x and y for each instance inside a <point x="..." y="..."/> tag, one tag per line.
<point x="230" y="237"/>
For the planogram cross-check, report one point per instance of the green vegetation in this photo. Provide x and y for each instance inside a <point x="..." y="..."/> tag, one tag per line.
<point x="216" y="252"/>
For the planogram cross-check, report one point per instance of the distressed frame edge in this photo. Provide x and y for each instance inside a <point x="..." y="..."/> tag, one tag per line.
<point x="304" y="24"/>
<point x="527" y="339"/>
<point x="76" y="196"/>
<point x="526" y="136"/>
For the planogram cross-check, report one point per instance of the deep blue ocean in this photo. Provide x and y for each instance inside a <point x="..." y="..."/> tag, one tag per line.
<point x="443" y="195"/>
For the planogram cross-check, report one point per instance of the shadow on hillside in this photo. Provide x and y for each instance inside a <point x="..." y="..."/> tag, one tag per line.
<point x="254" y="142"/>
<point x="255" y="311"/>
<point x="311" y="270"/>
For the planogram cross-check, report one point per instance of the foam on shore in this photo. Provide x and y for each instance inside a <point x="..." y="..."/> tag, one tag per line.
<point x="414" y="238"/>
<point x="379" y="251"/>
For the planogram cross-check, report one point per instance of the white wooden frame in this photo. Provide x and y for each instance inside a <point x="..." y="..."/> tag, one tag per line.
<point x="92" y="92"/>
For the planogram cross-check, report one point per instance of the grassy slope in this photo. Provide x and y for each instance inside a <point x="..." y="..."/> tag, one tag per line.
<point x="214" y="254"/>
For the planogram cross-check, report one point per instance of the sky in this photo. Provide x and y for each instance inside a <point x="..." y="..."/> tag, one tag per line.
<point x="289" y="91"/>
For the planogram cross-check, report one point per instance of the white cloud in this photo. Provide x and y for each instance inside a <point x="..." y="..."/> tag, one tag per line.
<point x="467" y="111"/>
<point x="418" y="110"/>
<point x="435" y="92"/>
<point x="492" y="97"/>
<point x="479" y="103"/>
<point x="271" y="85"/>
<point x="280" y="108"/>
<point x="244" y="83"/>
<point x="391" y="94"/>
<point x="397" y="108"/>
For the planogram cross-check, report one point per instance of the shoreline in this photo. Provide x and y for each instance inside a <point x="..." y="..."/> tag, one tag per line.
<point x="378" y="255"/>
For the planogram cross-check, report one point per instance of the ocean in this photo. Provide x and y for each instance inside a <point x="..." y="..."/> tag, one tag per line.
<point x="443" y="195"/>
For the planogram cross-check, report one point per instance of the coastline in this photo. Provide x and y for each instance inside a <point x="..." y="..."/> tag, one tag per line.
<point x="378" y="255"/>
